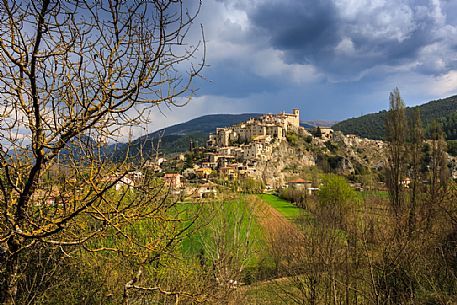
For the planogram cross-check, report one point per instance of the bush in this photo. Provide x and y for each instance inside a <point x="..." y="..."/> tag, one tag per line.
<point x="452" y="147"/>
<point x="292" y="138"/>
<point x="250" y="186"/>
<point x="299" y="197"/>
<point x="330" y="146"/>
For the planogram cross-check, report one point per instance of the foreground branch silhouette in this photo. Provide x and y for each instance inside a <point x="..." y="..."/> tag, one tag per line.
<point x="73" y="74"/>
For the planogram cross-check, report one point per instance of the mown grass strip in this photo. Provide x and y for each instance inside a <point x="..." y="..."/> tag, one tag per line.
<point x="287" y="209"/>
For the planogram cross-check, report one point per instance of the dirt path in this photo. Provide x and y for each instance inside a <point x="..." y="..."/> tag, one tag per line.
<point x="285" y="244"/>
<point x="272" y="221"/>
<point x="284" y="238"/>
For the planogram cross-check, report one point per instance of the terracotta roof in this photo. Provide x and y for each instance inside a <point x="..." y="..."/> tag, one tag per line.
<point x="299" y="180"/>
<point x="171" y="175"/>
<point x="203" y="169"/>
<point x="227" y="168"/>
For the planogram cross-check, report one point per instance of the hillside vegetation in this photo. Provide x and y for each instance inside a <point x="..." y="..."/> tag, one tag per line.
<point x="371" y="126"/>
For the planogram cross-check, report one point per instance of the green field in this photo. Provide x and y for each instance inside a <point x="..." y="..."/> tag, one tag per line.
<point x="375" y="194"/>
<point x="287" y="209"/>
<point x="229" y="221"/>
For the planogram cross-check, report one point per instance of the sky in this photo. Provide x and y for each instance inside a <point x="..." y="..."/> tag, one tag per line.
<point x="332" y="59"/>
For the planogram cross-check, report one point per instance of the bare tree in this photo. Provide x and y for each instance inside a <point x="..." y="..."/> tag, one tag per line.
<point x="72" y="74"/>
<point x="438" y="175"/>
<point x="228" y="247"/>
<point x="416" y="142"/>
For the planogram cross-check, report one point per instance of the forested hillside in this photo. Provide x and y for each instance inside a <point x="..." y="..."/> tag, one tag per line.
<point x="372" y="125"/>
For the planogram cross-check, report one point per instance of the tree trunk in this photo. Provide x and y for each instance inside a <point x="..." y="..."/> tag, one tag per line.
<point x="12" y="273"/>
<point x="11" y="282"/>
<point x="312" y="300"/>
<point x="347" y="281"/>
<point x="11" y="277"/>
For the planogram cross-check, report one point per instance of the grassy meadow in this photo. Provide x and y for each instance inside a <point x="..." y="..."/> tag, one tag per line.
<point x="287" y="209"/>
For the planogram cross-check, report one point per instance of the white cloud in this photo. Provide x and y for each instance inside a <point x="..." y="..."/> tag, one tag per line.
<point x="345" y="47"/>
<point x="269" y="63"/>
<point x="351" y="9"/>
<point x="445" y="84"/>
<point x="378" y="19"/>
<point x="437" y="12"/>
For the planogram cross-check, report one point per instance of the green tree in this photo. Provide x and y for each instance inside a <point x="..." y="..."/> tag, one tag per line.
<point x="292" y="138"/>
<point x="336" y="232"/>
<point x="396" y="129"/>
<point x="336" y="197"/>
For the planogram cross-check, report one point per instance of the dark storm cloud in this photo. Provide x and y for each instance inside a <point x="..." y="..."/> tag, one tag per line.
<point x="304" y="29"/>
<point x="331" y="58"/>
<point x="372" y="52"/>
<point x="309" y="32"/>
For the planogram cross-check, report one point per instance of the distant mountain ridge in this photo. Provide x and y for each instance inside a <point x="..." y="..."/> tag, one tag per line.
<point x="371" y="126"/>
<point x="320" y="123"/>
<point x="206" y="124"/>
<point x="176" y="138"/>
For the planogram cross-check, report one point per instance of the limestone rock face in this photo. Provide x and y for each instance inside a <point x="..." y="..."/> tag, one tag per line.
<point x="344" y="155"/>
<point x="275" y="149"/>
<point x="286" y="161"/>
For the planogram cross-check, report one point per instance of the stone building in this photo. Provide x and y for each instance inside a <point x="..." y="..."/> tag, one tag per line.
<point x="173" y="180"/>
<point x="274" y="125"/>
<point x="257" y="151"/>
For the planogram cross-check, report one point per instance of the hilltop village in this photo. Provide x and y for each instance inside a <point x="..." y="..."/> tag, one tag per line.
<point x="254" y="139"/>
<point x="273" y="150"/>
<point x="239" y="149"/>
